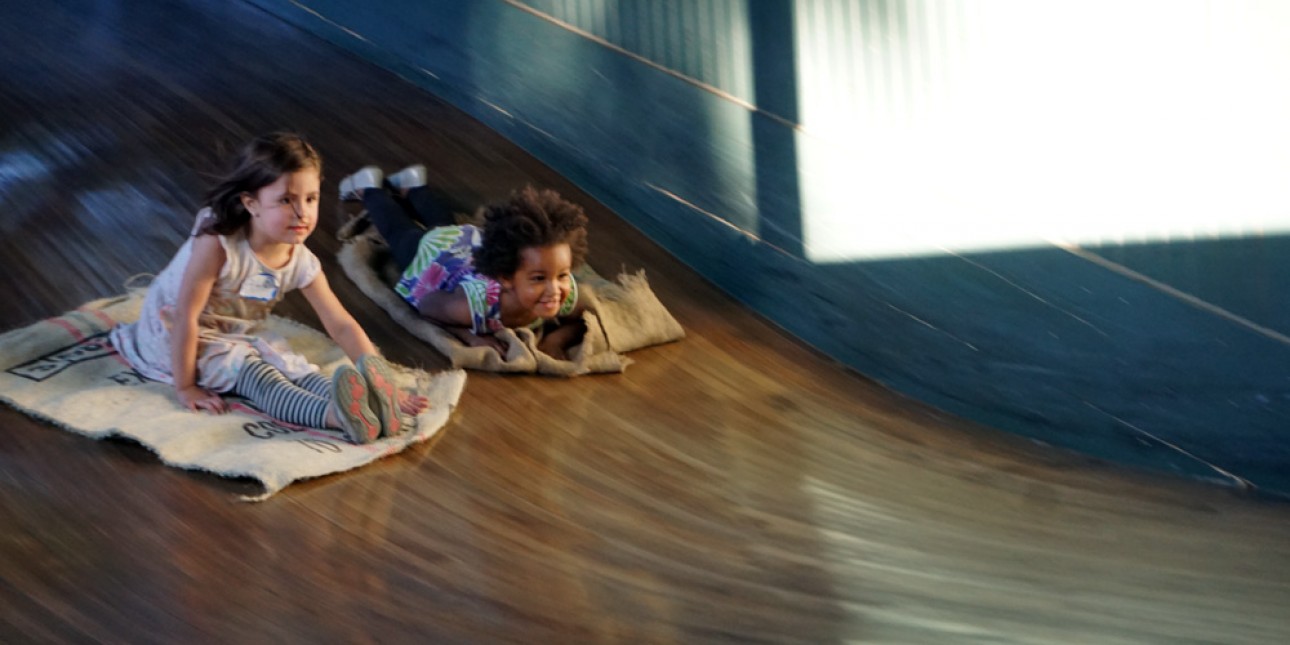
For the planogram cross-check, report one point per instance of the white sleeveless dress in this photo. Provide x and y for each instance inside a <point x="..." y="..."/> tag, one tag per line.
<point x="229" y="327"/>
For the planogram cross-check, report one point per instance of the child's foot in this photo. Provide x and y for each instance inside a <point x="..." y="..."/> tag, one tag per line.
<point x="409" y="178"/>
<point x="352" y="187"/>
<point x="349" y="396"/>
<point x="383" y="394"/>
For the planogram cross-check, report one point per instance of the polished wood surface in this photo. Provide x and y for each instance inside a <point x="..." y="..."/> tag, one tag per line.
<point x="735" y="486"/>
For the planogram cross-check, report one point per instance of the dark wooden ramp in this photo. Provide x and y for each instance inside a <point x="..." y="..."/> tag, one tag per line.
<point x="735" y="486"/>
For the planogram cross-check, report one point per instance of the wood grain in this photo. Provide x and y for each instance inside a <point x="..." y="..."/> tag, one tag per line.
<point x="735" y="486"/>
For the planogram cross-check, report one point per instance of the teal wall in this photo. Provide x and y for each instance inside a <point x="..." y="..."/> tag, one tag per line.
<point x="687" y="119"/>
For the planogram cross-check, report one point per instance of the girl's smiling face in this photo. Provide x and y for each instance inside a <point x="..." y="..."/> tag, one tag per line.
<point x="543" y="279"/>
<point x="285" y="211"/>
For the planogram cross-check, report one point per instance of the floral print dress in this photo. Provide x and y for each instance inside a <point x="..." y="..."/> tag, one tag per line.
<point x="445" y="261"/>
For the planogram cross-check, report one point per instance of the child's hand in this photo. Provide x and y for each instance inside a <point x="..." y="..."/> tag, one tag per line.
<point x="412" y="404"/>
<point x="554" y="351"/>
<point x="196" y="398"/>
<point x="557" y="342"/>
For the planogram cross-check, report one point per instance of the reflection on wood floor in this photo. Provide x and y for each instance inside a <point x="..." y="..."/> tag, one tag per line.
<point x="731" y="487"/>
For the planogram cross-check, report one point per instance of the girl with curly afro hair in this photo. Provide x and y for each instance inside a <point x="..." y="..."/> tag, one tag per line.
<point x="514" y="271"/>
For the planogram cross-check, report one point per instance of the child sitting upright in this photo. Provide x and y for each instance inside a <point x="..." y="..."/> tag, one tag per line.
<point x="199" y="326"/>
<point x="516" y="271"/>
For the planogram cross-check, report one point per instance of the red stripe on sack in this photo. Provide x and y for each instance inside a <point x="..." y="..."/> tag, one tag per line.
<point x="71" y="329"/>
<point x="104" y="318"/>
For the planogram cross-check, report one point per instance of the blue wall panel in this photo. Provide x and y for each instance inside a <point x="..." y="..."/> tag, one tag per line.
<point x="684" y="118"/>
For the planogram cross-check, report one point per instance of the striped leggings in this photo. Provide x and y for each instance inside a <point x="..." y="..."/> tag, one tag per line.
<point x="303" y="402"/>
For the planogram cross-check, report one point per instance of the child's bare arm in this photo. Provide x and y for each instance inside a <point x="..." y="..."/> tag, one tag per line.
<point x="471" y="339"/>
<point x="447" y="308"/>
<point x="194" y="291"/>
<point x="338" y="322"/>
<point x="451" y="311"/>
<point x="556" y="342"/>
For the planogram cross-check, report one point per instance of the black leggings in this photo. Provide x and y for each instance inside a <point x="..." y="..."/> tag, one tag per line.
<point x="403" y="220"/>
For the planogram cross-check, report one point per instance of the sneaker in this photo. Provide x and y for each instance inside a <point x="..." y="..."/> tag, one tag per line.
<point x="349" y="399"/>
<point x="352" y="187"/>
<point x="382" y="392"/>
<point x="409" y="178"/>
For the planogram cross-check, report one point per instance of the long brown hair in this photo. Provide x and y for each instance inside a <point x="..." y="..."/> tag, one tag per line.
<point x="259" y="163"/>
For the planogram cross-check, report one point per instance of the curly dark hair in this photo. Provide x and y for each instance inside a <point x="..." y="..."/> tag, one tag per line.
<point x="530" y="218"/>
<point x="259" y="163"/>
